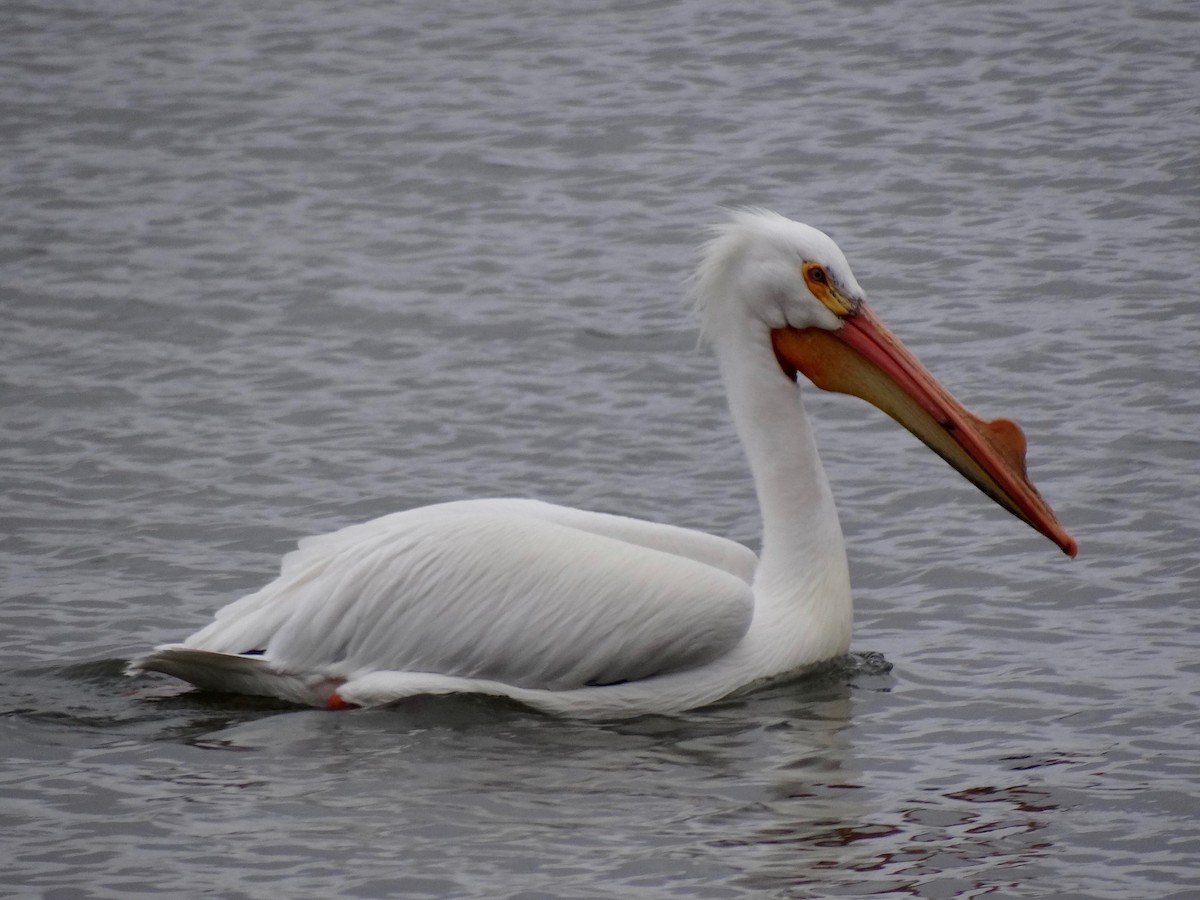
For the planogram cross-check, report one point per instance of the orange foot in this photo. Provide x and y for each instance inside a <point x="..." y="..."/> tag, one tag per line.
<point x="335" y="701"/>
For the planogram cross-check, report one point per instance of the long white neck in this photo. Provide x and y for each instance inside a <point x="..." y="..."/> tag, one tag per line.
<point x="803" y="609"/>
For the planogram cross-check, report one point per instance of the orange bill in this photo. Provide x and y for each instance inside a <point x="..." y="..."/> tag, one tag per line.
<point x="863" y="358"/>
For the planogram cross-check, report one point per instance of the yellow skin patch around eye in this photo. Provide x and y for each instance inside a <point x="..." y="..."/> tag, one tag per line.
<point x="820" y="283"/>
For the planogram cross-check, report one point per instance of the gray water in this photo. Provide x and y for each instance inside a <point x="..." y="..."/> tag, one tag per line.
<point x="272" y="268"/>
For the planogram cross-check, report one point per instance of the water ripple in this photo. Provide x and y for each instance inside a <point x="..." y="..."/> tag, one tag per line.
<point x="270" y="269"/>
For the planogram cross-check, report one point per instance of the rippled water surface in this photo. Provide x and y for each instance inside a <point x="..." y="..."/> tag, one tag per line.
<point x="272" y="268"/>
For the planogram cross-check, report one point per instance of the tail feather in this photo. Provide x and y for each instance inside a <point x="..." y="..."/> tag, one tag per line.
<point x="235" y="673"/>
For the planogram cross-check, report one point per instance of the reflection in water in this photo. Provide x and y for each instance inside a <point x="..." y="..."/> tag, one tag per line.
<point x="822" y="830"/>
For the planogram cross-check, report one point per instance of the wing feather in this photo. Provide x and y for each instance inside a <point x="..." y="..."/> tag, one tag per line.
<point x="521" y="592"/>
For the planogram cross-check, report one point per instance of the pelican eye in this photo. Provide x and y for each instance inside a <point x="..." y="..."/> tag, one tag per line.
<point x="822" y="286"/>
<point x="818" y="278"/>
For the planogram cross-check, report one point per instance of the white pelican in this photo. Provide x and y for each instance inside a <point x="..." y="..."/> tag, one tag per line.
<point x="596" y="615"/>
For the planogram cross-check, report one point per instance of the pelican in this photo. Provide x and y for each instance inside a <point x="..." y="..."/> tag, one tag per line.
<point x="593" y="615"/>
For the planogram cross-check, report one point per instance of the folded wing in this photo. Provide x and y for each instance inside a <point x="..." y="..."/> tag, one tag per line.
<point x="516" y="591"/>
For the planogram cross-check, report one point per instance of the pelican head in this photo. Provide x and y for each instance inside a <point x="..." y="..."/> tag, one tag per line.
<point x="769" y="279"/>
<point x="763" y="269"/>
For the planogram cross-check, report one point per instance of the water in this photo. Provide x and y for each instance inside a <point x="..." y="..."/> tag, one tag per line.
<point x="272" y="268"/>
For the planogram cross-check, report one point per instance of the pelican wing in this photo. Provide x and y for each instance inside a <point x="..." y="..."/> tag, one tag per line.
<point x="516" y="591"/>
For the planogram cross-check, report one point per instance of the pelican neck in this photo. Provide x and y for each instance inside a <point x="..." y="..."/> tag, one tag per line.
<point x="802" y="583"/>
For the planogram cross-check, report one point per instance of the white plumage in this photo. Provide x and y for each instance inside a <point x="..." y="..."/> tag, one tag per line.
<point x="591" y="614"/>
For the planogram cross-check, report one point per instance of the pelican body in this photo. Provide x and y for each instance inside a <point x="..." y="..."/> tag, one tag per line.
<point x="602" y="616"/>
